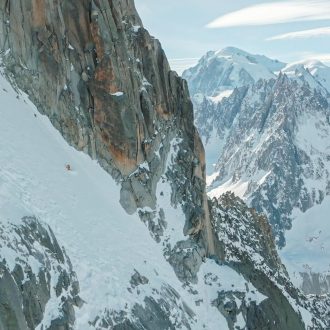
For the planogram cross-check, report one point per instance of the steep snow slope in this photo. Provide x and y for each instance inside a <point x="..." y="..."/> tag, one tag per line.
<point x="106" y="246"/>
<point x="307" y="250"/>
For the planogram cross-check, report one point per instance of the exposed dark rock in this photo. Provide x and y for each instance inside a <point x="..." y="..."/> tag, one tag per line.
<point x="153" y="314"/>
<point x="42" y="272"/>
<point x="137" y="279"/>
<point x="315" y="283"/>
<point x="249" y="248"/>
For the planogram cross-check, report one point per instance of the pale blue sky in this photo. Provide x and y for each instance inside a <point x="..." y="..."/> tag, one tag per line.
<point x="181" y="27"/>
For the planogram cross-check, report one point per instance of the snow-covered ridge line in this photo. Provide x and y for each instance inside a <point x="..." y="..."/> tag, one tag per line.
<point x="219" y="72"/>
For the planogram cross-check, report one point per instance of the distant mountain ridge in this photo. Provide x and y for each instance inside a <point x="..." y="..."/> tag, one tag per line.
<point x="269" y="143"/>
<point x="318" y="70"/>
<point x="222" y="71"/>
<point x="230" y="68"/>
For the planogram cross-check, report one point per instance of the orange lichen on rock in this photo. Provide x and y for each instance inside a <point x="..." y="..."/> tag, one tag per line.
<point x="121" y="158"/>
<point x="38" y="13"/>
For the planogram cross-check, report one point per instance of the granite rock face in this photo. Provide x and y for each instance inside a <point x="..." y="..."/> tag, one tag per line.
<point x="105" y="84"/>
<point x="35" y="273"/>
<point x="96" y="72"/>
<point x="249" y="248"/>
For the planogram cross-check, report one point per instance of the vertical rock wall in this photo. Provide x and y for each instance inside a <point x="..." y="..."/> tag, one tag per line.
<point x="106" y="85"/>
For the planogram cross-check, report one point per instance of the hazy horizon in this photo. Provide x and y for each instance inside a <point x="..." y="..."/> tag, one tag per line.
<point x="285" y="30"/>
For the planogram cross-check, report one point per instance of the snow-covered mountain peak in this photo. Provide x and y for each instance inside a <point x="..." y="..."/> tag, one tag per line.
<point x="218" y="73"/>
<point x="314" y="72"/>
<point x="233" y="53"/>
<point x="310" y="64"/>
<point x="241" y="56"/>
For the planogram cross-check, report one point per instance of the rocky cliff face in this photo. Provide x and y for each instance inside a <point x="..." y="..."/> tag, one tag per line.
<point x="71" y="56"/>
<point x="105" y="84"/>
<point x="36" y="279"/>
<point x="249" y="248"/>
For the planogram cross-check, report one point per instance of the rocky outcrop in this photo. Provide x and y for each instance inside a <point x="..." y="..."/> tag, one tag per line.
<point x="98" y="75"/>
<point x="152" y="314"/>
<point x="315" y="283"/>
<point x="249" y="248"/>
<point x="36" y="279"/>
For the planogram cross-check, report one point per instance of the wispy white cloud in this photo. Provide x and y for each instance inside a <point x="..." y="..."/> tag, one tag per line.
<point x="308" y="55"/>
<point x="275" y="13"/>
<point x="325" y="31"/>
<point x="181" y="64"/>
<point x="325" y="58"/>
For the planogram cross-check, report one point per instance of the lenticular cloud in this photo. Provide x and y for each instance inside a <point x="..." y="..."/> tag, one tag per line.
<point x="275" y="13"/>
